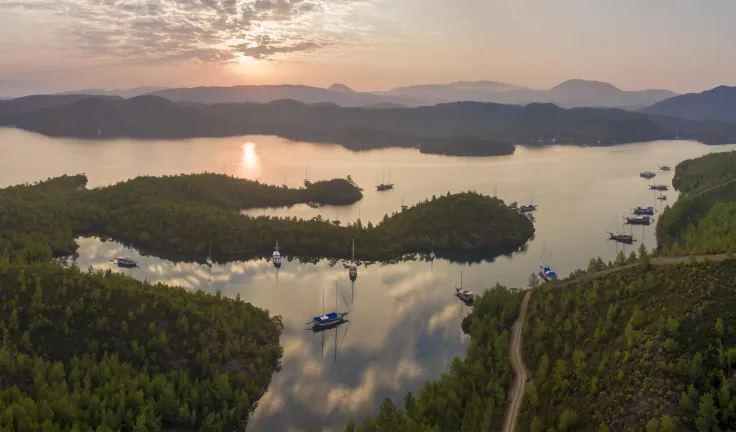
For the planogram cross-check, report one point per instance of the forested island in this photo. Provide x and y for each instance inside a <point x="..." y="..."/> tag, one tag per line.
<point x="459" y="129"/>
<point x="85" y="351"/>
<point x="188" y="215"/>
<point x="703" y="220"/>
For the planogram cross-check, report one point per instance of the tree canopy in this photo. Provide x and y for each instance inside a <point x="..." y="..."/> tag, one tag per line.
<point x="188" y="215"/>
<point x="103" y="352"/>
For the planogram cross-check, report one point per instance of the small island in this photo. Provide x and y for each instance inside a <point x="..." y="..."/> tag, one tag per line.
<point x="189" y="215"/>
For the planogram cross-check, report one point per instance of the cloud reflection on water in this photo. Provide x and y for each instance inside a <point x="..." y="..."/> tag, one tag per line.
<point x="402" y="330"/>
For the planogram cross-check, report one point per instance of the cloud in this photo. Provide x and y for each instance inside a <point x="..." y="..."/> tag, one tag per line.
<point x="207" y="31"/>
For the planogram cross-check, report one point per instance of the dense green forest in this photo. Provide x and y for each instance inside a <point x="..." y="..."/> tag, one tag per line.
<point x="471" y="396"/>
<point x="703" y="220"/>
<point x="644" y="348"/>
<point x="85" y="351"/>
<point x="187" y="215"/>
<point x="705" y="172"/>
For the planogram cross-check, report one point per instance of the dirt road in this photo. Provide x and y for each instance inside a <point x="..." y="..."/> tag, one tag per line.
<point x="517" y="361"/>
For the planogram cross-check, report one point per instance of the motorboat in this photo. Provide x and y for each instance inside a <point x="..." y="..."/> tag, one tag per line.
<point x="640" y="211"/>
<point x="125" y="262"/>
<point x="638" y="220"/>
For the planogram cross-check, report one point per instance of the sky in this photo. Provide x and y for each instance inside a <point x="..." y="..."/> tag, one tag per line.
<point x="680" y="45"/>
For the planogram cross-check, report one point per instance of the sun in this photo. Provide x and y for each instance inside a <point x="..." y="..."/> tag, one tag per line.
<point x="246" y="60"/>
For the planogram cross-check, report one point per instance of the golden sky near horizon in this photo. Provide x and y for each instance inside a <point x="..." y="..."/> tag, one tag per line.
<point x="681" y="45"/>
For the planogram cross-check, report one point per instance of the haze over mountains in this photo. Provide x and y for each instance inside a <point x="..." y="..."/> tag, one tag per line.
<point x="570" y="94"/>
<point x="715" y="104"/>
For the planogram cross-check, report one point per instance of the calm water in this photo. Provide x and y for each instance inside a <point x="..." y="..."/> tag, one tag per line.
<point x="405" y="322"/>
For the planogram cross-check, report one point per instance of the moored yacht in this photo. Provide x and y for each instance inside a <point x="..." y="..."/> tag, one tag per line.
<point x="659" y="187"/>
<point x="621" y="237"/>
<point x="546" y="273"/>
<point x="638" y="220"/>
<point x="125" y="262"/>
<point x="647" y="175"/>
<point x="463" y="294"/>
<point x="276" y="257"/>
<point x="648" y="211"/>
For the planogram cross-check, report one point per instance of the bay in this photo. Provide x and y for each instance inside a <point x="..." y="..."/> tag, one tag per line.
<point x="405" y="323"/>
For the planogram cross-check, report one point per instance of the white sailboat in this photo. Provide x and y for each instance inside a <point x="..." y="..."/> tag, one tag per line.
<point x="276" y="257"/>
<point x="306" y="177"/>
<point x="464" y="295"/>
<point x="353" y="269"/>
<point x="208" y="260"/>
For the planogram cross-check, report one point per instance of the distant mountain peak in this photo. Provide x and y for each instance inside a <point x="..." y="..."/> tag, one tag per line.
<point x="340" y="88"/>
<point x="585" y="85"/>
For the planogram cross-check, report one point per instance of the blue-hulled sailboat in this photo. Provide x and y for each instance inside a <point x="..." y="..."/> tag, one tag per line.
<point x="546" y="273"/>
<point x="327" y="320"/>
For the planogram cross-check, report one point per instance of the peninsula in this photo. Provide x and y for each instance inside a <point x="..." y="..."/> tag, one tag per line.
<point x="187" y="215"/>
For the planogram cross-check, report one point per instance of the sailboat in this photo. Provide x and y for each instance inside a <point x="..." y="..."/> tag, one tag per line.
<point x="306" y="177"/>
<point x="432" y="255"/>
<point x="125" y="262"/>
<point x="528" y="208"/>
<point x="546" y="273"/>
<point x="276" y="258"/>
<point x="208" y="260"/>
<point x="385" y="186"/>
<point x="330" y="319"/>
<point x="662" y="197"/>
<point x="403" y="207"/>
<point x="313" y="203"/>
<point x="462" y="294"/>
<point x="353" y="269"/>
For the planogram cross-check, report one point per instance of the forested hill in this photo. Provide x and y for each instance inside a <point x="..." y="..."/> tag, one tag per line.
<point x="189" y="216"/>
<point x="646" y="348"/>
<point x="364" y="128"/>
<point x="102" y="352"/>
<point x="703" y="220"/>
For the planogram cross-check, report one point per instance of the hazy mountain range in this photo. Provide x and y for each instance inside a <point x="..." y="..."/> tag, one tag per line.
<point x="453" y="128"/>
<point x="715" y="104"/>
<point x="573" y="93"/>
<point x="569" y="94"/>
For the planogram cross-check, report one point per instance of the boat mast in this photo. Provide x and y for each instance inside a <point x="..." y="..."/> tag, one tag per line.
<point x="352" y="254"/>
<point x="323" y="302"/>
<point x="335" y="296"/>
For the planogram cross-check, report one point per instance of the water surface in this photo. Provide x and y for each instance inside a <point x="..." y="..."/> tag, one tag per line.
<point x="405" y="323"/>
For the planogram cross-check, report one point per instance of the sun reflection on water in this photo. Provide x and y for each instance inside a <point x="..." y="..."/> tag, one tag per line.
<point x="250" y="162"/>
